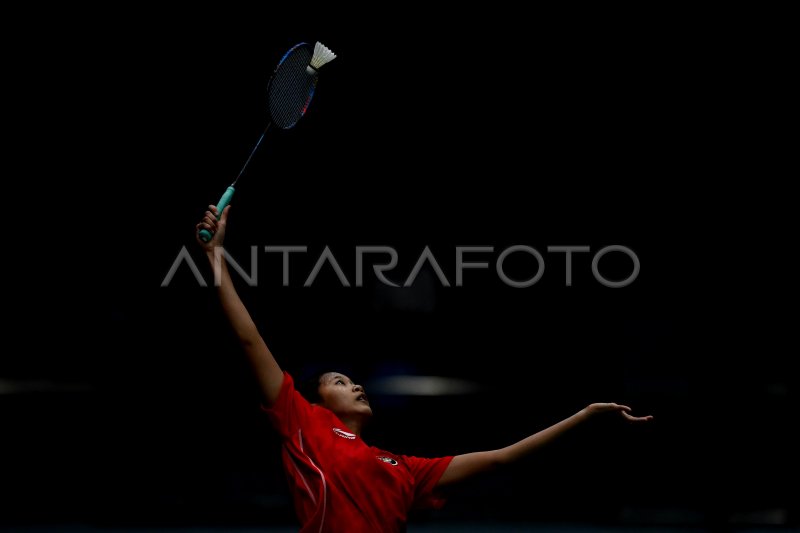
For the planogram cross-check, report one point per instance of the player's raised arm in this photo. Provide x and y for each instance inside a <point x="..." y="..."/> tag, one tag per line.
<point x="267" y="372"/>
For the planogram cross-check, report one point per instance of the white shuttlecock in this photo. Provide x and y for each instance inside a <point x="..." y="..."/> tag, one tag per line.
<point x="322" y="55"/>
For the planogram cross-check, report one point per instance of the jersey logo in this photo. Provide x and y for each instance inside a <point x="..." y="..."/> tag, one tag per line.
<point x="387" y="460"/>
<point x="344" y="434"/>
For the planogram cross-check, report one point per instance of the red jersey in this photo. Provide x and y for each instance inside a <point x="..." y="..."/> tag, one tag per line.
<point x="338" y="482"/>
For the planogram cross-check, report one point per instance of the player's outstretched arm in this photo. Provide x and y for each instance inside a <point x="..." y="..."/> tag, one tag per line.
<point x="464" y="466"/>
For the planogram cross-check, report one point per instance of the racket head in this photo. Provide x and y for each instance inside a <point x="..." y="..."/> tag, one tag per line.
<point x="292" y="86"/>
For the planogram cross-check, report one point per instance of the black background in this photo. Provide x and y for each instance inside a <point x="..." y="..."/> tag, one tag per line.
<point x="481" y="129"/>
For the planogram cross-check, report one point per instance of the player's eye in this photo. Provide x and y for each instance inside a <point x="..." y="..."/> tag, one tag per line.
<point x="339" y="381"/>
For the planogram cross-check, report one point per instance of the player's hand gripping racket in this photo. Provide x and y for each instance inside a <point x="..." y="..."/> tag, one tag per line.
<point x="288" y="94"/>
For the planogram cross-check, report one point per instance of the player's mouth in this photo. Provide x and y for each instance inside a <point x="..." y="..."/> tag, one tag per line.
<point x="362" y="398"/>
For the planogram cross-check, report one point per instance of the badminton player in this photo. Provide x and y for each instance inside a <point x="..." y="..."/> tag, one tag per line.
<point x="339" y="482"/>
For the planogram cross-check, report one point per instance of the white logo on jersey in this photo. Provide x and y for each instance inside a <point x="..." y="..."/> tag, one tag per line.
<point x="344" y="434"/>
<point x="387" y="460"/>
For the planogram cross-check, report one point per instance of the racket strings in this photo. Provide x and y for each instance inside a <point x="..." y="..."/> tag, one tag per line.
<point x="291" y="88"/>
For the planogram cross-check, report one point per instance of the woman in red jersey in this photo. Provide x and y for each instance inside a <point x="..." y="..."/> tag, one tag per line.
<point x="338" y="482"/>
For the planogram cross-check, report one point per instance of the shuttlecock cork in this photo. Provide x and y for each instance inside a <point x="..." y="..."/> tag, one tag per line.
<point x="322" y="55"/>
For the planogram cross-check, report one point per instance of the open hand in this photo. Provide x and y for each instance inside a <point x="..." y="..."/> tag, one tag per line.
<point x="624" y="410"/>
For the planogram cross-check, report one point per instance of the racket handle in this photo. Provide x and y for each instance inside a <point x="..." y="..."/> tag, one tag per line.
<point x="206" y="235"/>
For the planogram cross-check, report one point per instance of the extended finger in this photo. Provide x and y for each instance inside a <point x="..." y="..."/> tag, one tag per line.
<point x="636" y="418"/>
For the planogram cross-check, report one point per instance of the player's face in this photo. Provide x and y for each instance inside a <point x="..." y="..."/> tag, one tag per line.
<point x="342" y="396"/>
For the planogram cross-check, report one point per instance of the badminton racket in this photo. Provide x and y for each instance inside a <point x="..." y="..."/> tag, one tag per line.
<point x="289" y="93"/>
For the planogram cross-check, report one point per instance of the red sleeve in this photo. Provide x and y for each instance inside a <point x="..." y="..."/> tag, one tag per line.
<point x="289" y="410"/>
<point x="427" y="473"/>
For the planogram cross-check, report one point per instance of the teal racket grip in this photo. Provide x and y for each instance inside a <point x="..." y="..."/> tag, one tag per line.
<point x="206" y="235"/>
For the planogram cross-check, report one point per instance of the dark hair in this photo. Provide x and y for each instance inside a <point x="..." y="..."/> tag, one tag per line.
<point x="308" y="378"/>
<point x="309" y="386"/>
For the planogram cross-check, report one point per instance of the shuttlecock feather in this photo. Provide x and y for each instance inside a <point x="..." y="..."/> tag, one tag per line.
<point x="322" y="55"/>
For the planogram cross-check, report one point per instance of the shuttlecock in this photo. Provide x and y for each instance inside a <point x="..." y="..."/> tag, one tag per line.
<point x="322" y="55"/>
